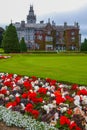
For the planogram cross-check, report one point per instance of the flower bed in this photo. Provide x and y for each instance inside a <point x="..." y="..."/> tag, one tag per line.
<point x="54" y="105"/>
<point x="4" y="57"/>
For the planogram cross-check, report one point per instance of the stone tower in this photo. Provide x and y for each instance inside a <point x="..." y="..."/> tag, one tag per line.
<point x="31" y="18"/>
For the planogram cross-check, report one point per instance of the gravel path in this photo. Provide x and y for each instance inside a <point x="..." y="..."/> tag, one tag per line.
<point x="4" y="127"/>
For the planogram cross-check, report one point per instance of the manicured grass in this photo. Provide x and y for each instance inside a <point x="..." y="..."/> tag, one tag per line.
<point x="69" y="68"/>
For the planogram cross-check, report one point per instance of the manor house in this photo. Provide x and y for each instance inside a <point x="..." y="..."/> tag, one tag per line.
<point x="48" y="36"/>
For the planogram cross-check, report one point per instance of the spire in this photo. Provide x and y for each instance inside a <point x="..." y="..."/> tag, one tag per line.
<point x="11" y="21"/>
<point x="31" y="18"/>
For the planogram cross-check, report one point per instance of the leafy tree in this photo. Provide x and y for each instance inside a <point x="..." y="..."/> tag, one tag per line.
<point x="10" y="41"/>
<point x="23" y="47"/>
<point x="84" y="45"/>
<point x="1" y="33"/>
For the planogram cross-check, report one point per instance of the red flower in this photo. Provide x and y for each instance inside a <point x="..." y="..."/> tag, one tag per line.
<point x="24" y="95"/>
<point x="53" y="82"/>
<point x="27" y="85"/>
<point x="29" y="108"/>
<point x="4" y="91"/>
<point x="40" y="99"/>
<point x="82" y="92"/>
<point x="42" y="90"/>
<point x="17" y="78"/>
<point x="69" y="112"/>
<point x="32" y="95"/>
<point x="9" y="104"/>
<point x="48" y="80"/>
<point x="34" y="78"/>
<point x="69" y="98"/>
<point x="74" y="87"/>
<point x="73" y="126"/>
<point x="17" y="100"/>
<point x="35" y="113"/>
<point x="64" y="120"/>
<point x="13" y="104"/>
<point x="3" y="77"/>
<point x="7" y="83"/>
<point x="59" y="99"/>
<point x="9" y="76"/>
<point x="57" y="93"/>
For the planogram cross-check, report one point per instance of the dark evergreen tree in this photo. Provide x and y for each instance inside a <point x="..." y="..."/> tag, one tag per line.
<point x="10" y="41"/>
<point x="1" y="33"/>
<point x="84" y="45"/>
<point x="23" y="47"/>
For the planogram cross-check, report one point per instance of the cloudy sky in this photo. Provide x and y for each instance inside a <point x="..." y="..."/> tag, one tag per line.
<point x="60" y="11"/>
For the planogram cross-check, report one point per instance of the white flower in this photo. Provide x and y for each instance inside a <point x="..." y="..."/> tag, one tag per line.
<point x="26" y="77"/>
<point x="64" y="109"/>
<point x="48" y="87"/>
<point x="73" y="95"/>
<point x="85" y="126"/>
<point x="53" y="123"/>
<point x="77" y="97"/>
<point x="65" y="93"/>
<point x="52" y="95"/>
<point x="56" y="116"/>
<point x="17" y="95"/>
<point x="7" y="92"/>
<point x="22" y="106"/>
<point x="36" y="82"/>
<point x="61" y="86"/>
<point x="54" y="101"/>
<point x="5" y="87"/>
<point x="15" y="75"/>
<point x="16" y="88"/>
<point x="43" y="101"/>
<point x="11" y="96"/>
<point x="46" y="84"/>
<point x="50" y="106"/>
<point x="21" y="81"/>
<point x="9" y="107"/>
<point x="36" y="88"/>
<point x="2" y="96"/>
<point x="82" y="87"/>
<point x="31" y="90"/>
<point x="43" y="86"/>
<point x="77" y="103"/>
<point x="6" y="98"/>
<point x="52" y="88"/>
<point x="48" y="93"/>
<point x="84" y="100"/>
<point x="46" y="108"/>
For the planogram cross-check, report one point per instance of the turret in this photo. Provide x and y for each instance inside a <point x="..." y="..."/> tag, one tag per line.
<point x="31" y="18"/>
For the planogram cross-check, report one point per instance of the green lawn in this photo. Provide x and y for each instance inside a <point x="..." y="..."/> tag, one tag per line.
<point x="69" y="68"/>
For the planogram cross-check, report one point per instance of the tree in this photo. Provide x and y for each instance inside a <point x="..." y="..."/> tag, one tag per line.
<point x="10" y="41"/>
<point x="84" y="45"/>
<point x="1" y="33"/>
<point x="23" y="47"/>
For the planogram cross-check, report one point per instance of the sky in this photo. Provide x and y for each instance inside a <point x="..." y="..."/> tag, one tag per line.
<point x="60" y="11"/>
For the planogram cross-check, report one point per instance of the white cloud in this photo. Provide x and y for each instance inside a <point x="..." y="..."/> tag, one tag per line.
<point x="18" y="9"/>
